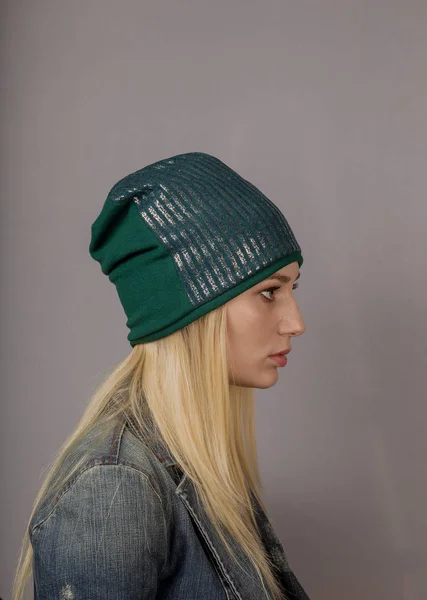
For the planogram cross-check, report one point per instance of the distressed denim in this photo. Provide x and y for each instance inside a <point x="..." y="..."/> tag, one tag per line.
<point x="128" y="526"/>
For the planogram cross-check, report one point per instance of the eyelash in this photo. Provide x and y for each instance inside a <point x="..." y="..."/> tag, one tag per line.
<point x="272" y="289"/>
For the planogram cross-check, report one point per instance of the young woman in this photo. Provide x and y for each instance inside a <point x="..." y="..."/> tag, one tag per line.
<point x="157" y="493"/>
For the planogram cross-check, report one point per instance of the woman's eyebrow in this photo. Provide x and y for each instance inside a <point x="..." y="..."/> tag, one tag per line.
<point x="282" y="278"/>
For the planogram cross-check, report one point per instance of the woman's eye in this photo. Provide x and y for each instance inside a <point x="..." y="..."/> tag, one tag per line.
<point x="273" y="289"/>
<point x="270" y="291"/>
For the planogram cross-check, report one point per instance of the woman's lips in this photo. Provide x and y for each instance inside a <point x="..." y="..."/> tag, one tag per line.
<point x="279" y="359"/>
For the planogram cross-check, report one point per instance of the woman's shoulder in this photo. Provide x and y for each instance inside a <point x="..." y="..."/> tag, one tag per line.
<point x="107" y="455"/>
<point x="105" y="531"/>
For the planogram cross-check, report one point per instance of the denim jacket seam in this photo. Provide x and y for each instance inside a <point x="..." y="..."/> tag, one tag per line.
<point x="215" y="553"/>
<point x="96" y="462"/>
<point x="117" y="441"/>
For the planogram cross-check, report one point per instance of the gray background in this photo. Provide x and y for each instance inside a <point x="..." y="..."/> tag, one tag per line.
<point x="321" y="104"/>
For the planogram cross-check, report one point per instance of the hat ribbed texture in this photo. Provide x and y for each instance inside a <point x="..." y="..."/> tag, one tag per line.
<point x="184" y="235"/>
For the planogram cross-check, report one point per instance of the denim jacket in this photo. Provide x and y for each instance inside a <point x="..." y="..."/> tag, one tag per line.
<point x="128" y="526"/>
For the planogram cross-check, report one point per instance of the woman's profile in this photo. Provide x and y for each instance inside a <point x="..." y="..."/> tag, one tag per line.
<point x="157" y="493"/>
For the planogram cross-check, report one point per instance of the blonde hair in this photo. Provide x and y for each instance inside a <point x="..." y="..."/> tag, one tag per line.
<point x="181" y="383"/>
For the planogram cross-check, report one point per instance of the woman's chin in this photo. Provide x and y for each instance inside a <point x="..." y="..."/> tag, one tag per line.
<point x="268" y="380"/>
<point x="261" y="381"/>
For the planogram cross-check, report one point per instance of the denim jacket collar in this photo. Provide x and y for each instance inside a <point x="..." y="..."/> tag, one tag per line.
<point x="234" y="579"/>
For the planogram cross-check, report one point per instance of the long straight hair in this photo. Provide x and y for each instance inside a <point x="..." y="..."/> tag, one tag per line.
<point x="180" y="383"/>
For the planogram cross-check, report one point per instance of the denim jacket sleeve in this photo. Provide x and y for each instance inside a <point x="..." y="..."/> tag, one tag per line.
<point x="104" y="539"/>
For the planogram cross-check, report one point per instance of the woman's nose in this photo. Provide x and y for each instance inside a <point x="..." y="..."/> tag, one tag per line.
<point x="294" y="322"/>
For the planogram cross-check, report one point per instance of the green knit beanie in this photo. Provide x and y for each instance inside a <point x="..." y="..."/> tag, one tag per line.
<point x="185" y="235"/>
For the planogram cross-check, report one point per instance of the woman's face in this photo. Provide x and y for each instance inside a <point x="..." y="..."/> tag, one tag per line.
<point x="261" y="322"/>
